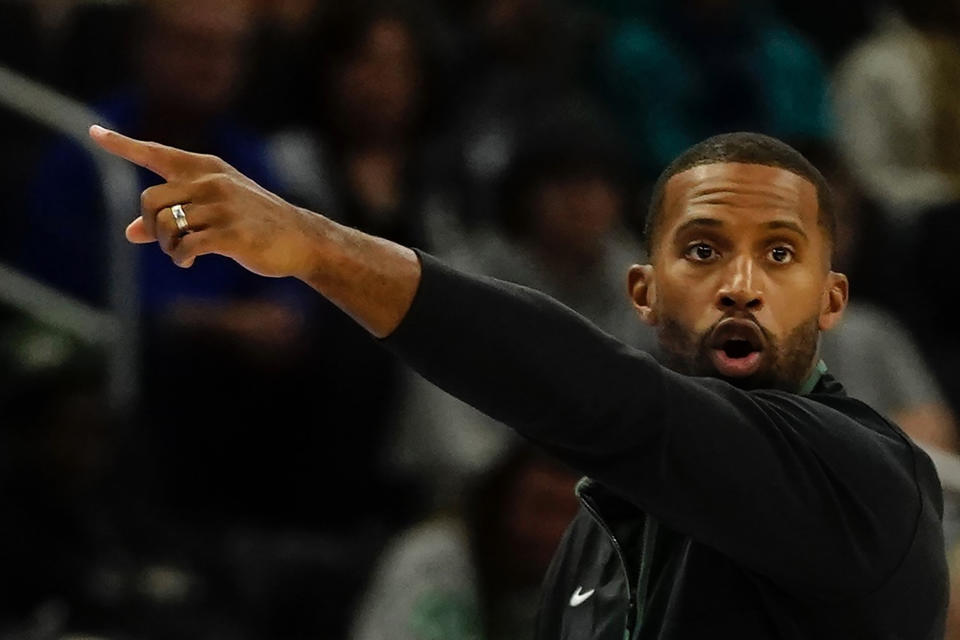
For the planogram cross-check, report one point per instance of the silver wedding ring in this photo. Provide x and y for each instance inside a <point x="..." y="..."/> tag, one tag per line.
<point x="180" y="218"/>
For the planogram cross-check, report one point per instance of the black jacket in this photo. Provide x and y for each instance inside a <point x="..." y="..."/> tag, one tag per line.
<point x="712" y="511"/>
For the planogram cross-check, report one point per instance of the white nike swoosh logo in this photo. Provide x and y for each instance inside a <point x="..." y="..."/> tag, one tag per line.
<point x="578" y="598"/>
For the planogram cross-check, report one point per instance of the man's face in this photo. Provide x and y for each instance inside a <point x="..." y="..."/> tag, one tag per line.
<point x="739" y="286"/>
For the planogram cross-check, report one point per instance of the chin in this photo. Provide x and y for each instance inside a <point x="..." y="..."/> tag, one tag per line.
<point x="747" y="383"/>
<point x="758" y="380"/>
<point x="764" y="378"/>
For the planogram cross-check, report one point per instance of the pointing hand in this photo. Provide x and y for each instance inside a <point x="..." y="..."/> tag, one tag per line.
<point x="226" y="212"/>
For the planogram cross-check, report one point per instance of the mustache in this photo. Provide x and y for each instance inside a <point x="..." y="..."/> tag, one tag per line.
<point x="787" y="357"/>
<point x="704" y="342"/>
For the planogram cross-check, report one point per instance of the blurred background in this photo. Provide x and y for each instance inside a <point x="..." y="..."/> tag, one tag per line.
<point x="206" y="454"/>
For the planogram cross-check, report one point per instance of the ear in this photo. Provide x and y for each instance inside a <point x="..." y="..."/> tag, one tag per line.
<point x="835" y="299"/>
<point x="643" y="292"/>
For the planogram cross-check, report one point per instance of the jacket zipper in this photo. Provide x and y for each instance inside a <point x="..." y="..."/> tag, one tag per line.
<point x="650" y="526"/>
<point x="592" y="510"/>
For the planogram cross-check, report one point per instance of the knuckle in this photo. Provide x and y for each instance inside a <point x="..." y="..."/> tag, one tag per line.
<point x="180" y="256"/>
<point x="212" y="163"/>
<point x="219" y="212"/>
<point x="215" y="185"/>
<point x="166" y="237"/>
<point x="149" y="202"/>
<point x="189" y="247"/>
<point x="224" y="182"/>
<point x="205" y="186"/>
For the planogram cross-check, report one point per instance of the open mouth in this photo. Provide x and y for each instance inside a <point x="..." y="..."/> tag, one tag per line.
<point x="737" y="348"/>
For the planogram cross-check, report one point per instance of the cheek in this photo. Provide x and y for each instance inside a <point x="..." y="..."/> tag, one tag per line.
<point x="686" y="287"/>
<point x="795" y="294"/>
<point x="792" y="302"/>
<point x="687" y="298"/>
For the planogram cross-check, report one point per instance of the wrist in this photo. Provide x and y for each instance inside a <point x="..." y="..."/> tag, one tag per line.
<point x="314" y="246"/>
<point x="372" y="279"/>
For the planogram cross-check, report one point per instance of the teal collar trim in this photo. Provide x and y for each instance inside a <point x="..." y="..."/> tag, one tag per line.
<point x="814" y="378"/>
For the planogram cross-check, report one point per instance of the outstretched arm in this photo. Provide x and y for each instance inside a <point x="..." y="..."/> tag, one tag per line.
<point x="371" y="279"/>
<point x="816" y="495"/>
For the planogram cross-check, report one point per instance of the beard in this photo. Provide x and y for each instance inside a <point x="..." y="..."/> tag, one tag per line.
<point x="786" y="361"/>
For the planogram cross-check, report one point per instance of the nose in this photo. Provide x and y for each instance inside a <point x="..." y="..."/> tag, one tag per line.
<point x="740" y="289"/>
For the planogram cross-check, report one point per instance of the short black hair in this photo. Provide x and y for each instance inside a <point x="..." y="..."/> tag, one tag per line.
<point x="747" y="148"/>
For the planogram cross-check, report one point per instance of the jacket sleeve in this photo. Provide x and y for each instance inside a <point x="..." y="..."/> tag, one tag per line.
<point x="787" y="486"/>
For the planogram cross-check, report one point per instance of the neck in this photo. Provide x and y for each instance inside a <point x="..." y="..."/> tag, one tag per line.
<point x="817" y="369"/>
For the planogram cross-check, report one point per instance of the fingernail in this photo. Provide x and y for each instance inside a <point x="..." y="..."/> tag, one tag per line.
<point x="97" y="130"/>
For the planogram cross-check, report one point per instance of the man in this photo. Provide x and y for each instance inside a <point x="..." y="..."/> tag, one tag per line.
<point x="741" y="494"/>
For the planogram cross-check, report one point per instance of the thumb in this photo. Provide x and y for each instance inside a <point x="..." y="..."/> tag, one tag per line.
<point x="137" y="233"/>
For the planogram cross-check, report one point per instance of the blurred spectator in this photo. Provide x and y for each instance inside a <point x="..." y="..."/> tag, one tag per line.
<point x="695" y="68"/>
<point x="228" y="365"/>
<point x="363" y="157"/>
<point x="560" y="223"/>
<point x="897" y="107"/>
<point x="878" y="362"/>
<point x="92" y="48"/>
<point x="235" y="451"/>
<point x="871" y="352"/>
<point x="190" y="60"/>
<point x="560" y="230"/>
<point x="56" y="453"/>
<point x="865" y="248"/>
<point x="282" y="63"/>
<point x="363" y="161"/>
<point x="386" y="145"/>
<point x="476" y="573"/>
<point x="848" y="20"/>
<point x="242" y="335"/>
<point x="517" y="59"/>
<point x="78" y="47"/>
<point x="931" y="294"/>
<point x="505" y="41"/>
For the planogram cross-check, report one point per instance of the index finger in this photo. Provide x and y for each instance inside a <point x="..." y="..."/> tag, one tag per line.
<point x="164" y="161"/>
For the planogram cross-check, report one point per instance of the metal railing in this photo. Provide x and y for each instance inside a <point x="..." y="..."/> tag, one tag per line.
<point x="115" y="329"/>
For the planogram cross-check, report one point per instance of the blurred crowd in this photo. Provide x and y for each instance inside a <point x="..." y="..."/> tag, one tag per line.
<point x="282" y="476"/>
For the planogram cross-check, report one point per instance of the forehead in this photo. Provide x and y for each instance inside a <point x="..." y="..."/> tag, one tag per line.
<point x="739" y="193"/>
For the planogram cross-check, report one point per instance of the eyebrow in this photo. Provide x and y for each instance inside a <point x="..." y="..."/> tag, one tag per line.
<point x="787" y="224"/>
<point x="713" y="222"/>
<point x="699" y="222"/>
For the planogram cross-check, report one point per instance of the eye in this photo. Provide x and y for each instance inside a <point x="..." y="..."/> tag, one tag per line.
<point x="781" y="255"/>
<point x="700" y="252"/>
